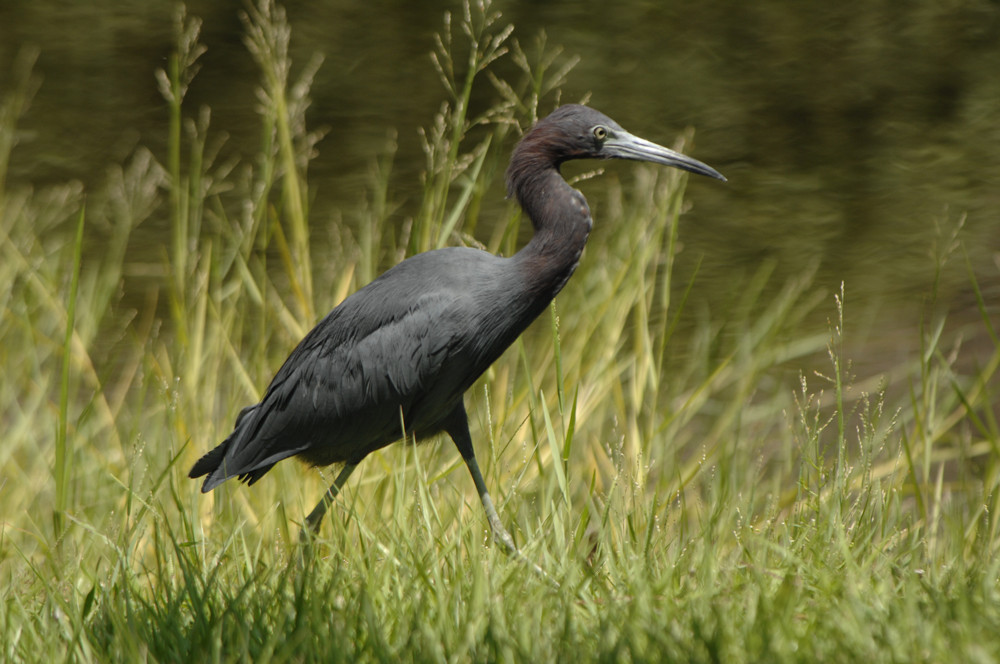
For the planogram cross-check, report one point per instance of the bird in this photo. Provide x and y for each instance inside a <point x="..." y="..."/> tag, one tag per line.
<point x="395" y="358"/>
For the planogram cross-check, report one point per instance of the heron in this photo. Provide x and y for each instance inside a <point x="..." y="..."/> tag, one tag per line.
<point x="395" y="358"/>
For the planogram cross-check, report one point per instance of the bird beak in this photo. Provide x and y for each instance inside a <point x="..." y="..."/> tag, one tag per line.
<point x="623" y="145"/>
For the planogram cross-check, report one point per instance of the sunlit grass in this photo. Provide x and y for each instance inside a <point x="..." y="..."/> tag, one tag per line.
<point x="704" y="485"/>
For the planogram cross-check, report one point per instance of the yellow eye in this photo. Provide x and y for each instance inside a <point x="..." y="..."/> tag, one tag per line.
<point x="600" y="132"/>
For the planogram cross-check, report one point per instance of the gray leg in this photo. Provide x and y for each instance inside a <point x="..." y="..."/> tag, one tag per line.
<point x="500" y="534"/>
<point x="311" y="525"/>
<point x="457" y="427"/>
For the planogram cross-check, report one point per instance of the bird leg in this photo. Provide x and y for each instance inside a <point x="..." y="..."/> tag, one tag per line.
<point x="500" y="534"/>
<point x="457" y="426"/>
<point x="311" y="525"/>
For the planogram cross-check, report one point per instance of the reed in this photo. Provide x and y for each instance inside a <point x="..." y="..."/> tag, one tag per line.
<point x="704" y="485"/>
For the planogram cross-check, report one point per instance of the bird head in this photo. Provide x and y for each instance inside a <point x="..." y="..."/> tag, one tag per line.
<point x="580" y="132"/>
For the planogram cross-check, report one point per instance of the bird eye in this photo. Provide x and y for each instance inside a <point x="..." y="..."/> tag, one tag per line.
<point x="600" y="132"/>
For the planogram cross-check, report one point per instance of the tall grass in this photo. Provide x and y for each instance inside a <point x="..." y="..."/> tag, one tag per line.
<point x="705" y="485"/>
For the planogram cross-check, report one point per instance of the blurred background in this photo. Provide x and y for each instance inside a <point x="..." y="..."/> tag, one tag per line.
<point x="856" y="135"/>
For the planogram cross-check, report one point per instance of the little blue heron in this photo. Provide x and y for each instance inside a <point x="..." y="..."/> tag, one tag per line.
<point x="397" y="356"/>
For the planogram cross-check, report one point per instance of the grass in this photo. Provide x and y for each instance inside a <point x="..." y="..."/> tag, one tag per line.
<point x="704" y="486"/>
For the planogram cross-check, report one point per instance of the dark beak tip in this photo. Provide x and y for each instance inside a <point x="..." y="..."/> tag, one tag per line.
<point x="712" y="173"/>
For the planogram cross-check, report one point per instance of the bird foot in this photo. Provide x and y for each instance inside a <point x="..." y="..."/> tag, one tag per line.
<point x="307" y="534"/>
<point x="503" y="538"/>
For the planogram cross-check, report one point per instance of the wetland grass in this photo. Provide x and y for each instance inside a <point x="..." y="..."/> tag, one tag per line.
<point x="704" y="485"/>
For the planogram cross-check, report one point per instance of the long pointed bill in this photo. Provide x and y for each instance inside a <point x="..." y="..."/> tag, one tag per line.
<point x="623" y="145"/>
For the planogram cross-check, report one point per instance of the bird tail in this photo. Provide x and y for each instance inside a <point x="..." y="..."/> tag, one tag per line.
<point x="212" y="464"/>
<point x="210" y="461"/>
<point x="243" y="454"/>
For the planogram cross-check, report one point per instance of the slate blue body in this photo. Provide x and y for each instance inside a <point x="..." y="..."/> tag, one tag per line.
<point x="401" y="352"/>
<point x="409" y="344"/>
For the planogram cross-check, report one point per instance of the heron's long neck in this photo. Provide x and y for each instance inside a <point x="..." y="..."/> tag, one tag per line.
<point x="562" y="223"/>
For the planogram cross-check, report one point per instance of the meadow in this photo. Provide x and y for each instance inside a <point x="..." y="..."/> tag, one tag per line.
<point x="698" y="484"/>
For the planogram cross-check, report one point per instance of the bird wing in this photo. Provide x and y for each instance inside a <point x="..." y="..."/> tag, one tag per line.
<point x="389" y="354"/>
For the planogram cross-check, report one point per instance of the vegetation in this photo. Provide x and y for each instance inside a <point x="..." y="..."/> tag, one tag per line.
<point x="703" y="486"/>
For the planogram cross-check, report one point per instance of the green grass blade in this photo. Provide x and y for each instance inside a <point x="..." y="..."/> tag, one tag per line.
<point x="63" y="448"/>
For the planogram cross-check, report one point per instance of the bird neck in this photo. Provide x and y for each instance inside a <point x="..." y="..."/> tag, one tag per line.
<point x="561" y="218"/>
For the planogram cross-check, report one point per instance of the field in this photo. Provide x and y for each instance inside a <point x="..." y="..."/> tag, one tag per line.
<point x="697" y="484"/>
